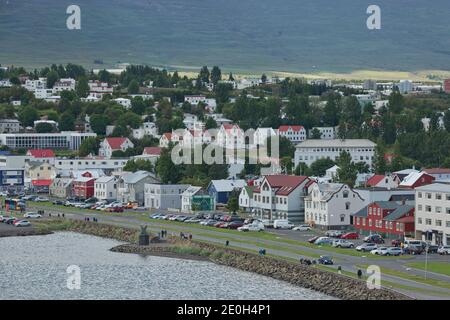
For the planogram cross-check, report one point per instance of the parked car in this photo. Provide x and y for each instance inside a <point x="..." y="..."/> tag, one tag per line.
<point x="444" y="250"/>
<point x="350" y="235"/>
<point x="3" y="218"/>
<point x="342" y="243"/>
<point x="380" y="251"/>
<point x="205" y="222"/>
<point x="394" y="251"/>
<point x="366" y="247"/>
<point x="396" y="242"/>
<point x="282" y="224"/>
<point x="235" y="224"/>
<point x="413" y="249"/>
<point x="10" y="220"/>
<point x="41" y="199"/>
<point x="219" y="224"/>
<point x="192" y="220"/>
<point x="172" y="217"/>
<point x="325" y="260"/>
<point x="29" y="197"/>
<point x="3" y="194"/>
<point x="302" y="227"/>
<point x="181" y="218"/>
<point x="211" y="223"/>
<point x="22" y="223"/>
<point x="252" y="227"/>
<point x="154" y="216"/>
<point x="313" y="239"/>
<point x="114" y="209"/>
<point x="58" y="202"/>
<point x="431" y="248"/>
<point x="323" y="241"/>
<point x="334" y="233"/>
<point x="267" y="223"/>
<point x="32" y="215"/>
<point x="374" y="238"/>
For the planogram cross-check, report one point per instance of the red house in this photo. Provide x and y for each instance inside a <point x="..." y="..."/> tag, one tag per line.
<point x="83" y="187"/>
<point x="387" y="218"/>
<point x="416" y="179"/>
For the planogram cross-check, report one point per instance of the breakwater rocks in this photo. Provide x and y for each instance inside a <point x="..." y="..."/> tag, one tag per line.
<point x="12" y="231"/>
<point x="168" y="250"/>
<point x="103" y="230"/>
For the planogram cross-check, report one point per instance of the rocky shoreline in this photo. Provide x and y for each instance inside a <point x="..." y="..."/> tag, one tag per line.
<point x="329" y="283"/>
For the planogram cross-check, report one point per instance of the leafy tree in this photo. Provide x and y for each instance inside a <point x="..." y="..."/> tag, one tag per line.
<point x="27" y="116"/>
<point x="137" y="165"/>
<point x="216" y="75"/>
<point x="167" y="171"/>
<point x="88" y="146"/>
<point x="320" y="166"/>
<point x="133" y="87"/>
<point x="396" y="101"/>
<point x="120" y="131"/>
<point x="52" y="77"/>
<point x="82" y="87"/>
<point x="44" y="127"/>
<point x="210" y="124"/>
<point x="379" y="164"/>
<point x="98" y="123"/>
<point x="67" y="122"/>
<point x="302" y="169"/>
<point x="233" y="203"/>
<point x="204" y="74"/>
<point x="104" y="76"/>
<point x="316" y="134"/>
<point x="347" y="171"/>
<point x="286" y="165"/>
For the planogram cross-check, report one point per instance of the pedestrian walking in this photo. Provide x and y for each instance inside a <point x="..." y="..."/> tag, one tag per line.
<point x="63" y="215"/>
<point x="339" y="269"/>
<point x="227" y="243"/>
<point x="190" y="236"/>
<point x="359" y="273"/>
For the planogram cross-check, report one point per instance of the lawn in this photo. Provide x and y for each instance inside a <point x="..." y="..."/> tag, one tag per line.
<point x="436" y="267"/>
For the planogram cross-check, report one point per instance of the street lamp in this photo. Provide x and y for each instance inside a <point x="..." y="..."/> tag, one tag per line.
<point x="426" y="252"/>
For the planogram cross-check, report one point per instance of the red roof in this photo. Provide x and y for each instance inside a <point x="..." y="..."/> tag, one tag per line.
<point x="156" y="151"/>
<point x="41" y="153"/>
<point x="286" y="128"/>
<point x="437" y="171"/>
<point x="284" y="183"/>
<point x="41" y="183"/>
<point x="374" y="180"/>
<point x="168" y="135"/>
<point x="115" y="143"/>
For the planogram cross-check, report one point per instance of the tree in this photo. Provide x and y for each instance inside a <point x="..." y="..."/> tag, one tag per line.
<point x="316" y="134"/>
<point x="104" y="76"/>
<point x="263" y="78"/>
<point x="331" y="111"/>
<point x="133" y="87"/>
<point x="286" y="165"/>
<point x="27" y="116"/>
<point x="396" y="101"/>
<point x="302" y="170"/>
<point x="379" y="163"/>
<point x="88" y="146"/>
<point x="230" y="77"/>
<point x="67" y="122"/>
<point x="216" y="75"/>
<point x="210" y="124"/>
<point x="98" y="123"/>
<point x="347" y="171"/>
<point x="447" y="120"/>
<point x="320" y="166"/>
<point x="167" y="171"/>
<point x="204" y="74"/>
<point x="52" y="77"/>
<point x="138" y="165"/>
<point x="233" y="202"/>
<point x="44" y="127"/>
<point x="82" y="87"/>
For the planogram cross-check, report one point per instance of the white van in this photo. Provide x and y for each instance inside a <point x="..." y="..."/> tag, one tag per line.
<point x="282" y="224"/>
<point x="414" y="243"/>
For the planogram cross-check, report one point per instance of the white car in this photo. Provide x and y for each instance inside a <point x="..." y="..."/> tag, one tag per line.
<point x="302" y="227"/>
<point x="22" y="223"/>
<point x="341" y="243"/>
<point x="394" y="251"/>
<point x="32" y="215"/>
<point x="382" y="251"/>
<point x="444" y="250"/>
<point x="3" y="194"/>
<point x="282" y="224"/>
<point x="252" y="227"/>
<point x="366" y="247"/>
<point x="41" y="199"/>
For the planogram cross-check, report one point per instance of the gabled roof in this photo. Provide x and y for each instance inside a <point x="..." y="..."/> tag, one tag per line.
<point x="375" y="179"/>
<point x="105" y="179"/>
<point x="41" y="153"/>
<point x="249" y="190"/>
<point x="115" y="143"/>
<point x="190" y="191"/>
<point x="228" y="185"/>
<point x="412" y="178"/>
<point x="437" y="171"/>
<point x="153" y="151"/>
<point x="284" y="183"/>
<point x="398" y="213"/>
<point x="286" y="128"/>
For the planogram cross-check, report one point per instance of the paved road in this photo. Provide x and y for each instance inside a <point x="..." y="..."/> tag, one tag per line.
<point x="347" y="262"/>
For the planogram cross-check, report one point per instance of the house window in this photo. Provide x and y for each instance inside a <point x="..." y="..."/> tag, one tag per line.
<point x="438" y="209"/>
<point x="428" y="208"/>
<point x="428" y="222"/>
<point x="438" y="196"/>
<point x="419" y="207"/>
<point x="347" y="205"/>
<point x="419" y="194"/>
<point x="342" y="217"/>
<point x="438" y="223"/>
<point x="345" y="193"/>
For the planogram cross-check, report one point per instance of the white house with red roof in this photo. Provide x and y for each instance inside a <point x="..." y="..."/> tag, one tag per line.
<point x="383" y="181"/>
<point x="109" y="145"/>
<point x="281" y="197"/>
<point x="42" y="155"/>
<point x="294" y="133"/>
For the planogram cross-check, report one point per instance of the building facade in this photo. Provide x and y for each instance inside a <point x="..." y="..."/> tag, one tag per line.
<point x="164" y="196"/>
<point x="63" y="140"/>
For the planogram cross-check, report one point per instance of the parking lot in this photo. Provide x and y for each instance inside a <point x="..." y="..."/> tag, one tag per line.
<point x="7" y="230"/>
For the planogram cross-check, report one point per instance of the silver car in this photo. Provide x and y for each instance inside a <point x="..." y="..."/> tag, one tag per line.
<point x="341" y="243"/>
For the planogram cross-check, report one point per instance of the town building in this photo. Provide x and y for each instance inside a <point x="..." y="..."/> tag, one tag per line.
<point x="61" y="188"/>
<point x="105" y="188"/>
<point x="389" y="219"/>
<point x="61" y="85"/>
<point x="186" y="198"/>
<point x="281" y="197"/>
<point x="9" y="125"/>
<point x="164" y="196"/>
<point x="12" y="179"/>
<point x="438" y="173"/>
<point x="326" y="133"/>
<point x="42" y="155"/>
<point x="83" y="187"/>
<point x="447" y="85"/>
<point x="62" y="140"/>
<point x="330" y="205"/>
<point x="295" y="134"/>
<point x="361" y="150"/>
<point x="416" y="179"/>
<point x="109" y="145"/>
<point x="221" y="190"/>
<point x="147" y="129"/>
<point x="432" y="219"/>
<point x="124" y="102"/>
<point x="388" y="181"/>
<point x="230" y="136"/>
<point x="262" y="134"/>
<point x="130" y="186"/>
<point x="246" y="199"/>
<point x="98" y="89"/>
<point x="91" y="163"/>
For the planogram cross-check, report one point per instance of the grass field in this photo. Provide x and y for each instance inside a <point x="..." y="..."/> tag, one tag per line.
<point x="436" y="267"/>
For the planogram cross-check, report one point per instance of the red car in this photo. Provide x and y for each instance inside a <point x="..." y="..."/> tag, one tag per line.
<point x="220" y="224"/>
<point x="350" y="235"/>
<point x="235" y="225"/>
<point x="313" y="239"/>
<point x="396" y="242"/>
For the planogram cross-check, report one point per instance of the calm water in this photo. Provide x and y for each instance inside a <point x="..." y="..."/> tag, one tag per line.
<point x="36" y="268"/>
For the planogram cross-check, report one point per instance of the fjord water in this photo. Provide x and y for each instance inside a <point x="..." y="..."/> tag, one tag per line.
<point x="35" y="267"/>
<point x="249" y="35"/>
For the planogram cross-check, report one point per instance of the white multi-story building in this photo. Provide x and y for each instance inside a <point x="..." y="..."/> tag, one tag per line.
<point x="124" y="102"/>
<point x="262" y="134"/>
<point x="231" y="136"/>
<point x="164" y="196"/>
<point x="405" y="86"/>
<point x="105" y="188"/>
<point x="32" y="85"/>
<point x="294" y="133"/>
<point x="91" y="163"/>
<point x="432" y="213"/>
<point x="43" y="93"/>
<point x="186" y="198"/>
<point x="330" y="205"/>
<point x="5" y="83"/>
<point x="62" y="140"/>
<point x="326" y="133"/>
<point x="64" y="85"/>
<point x="281" y="197"/>
<point x="147" y="129"/>
<point x="361" y="150"/>
<point x="9" y="125"/>
<point x="131" y="186"/>
<point x="98" y="89"/>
